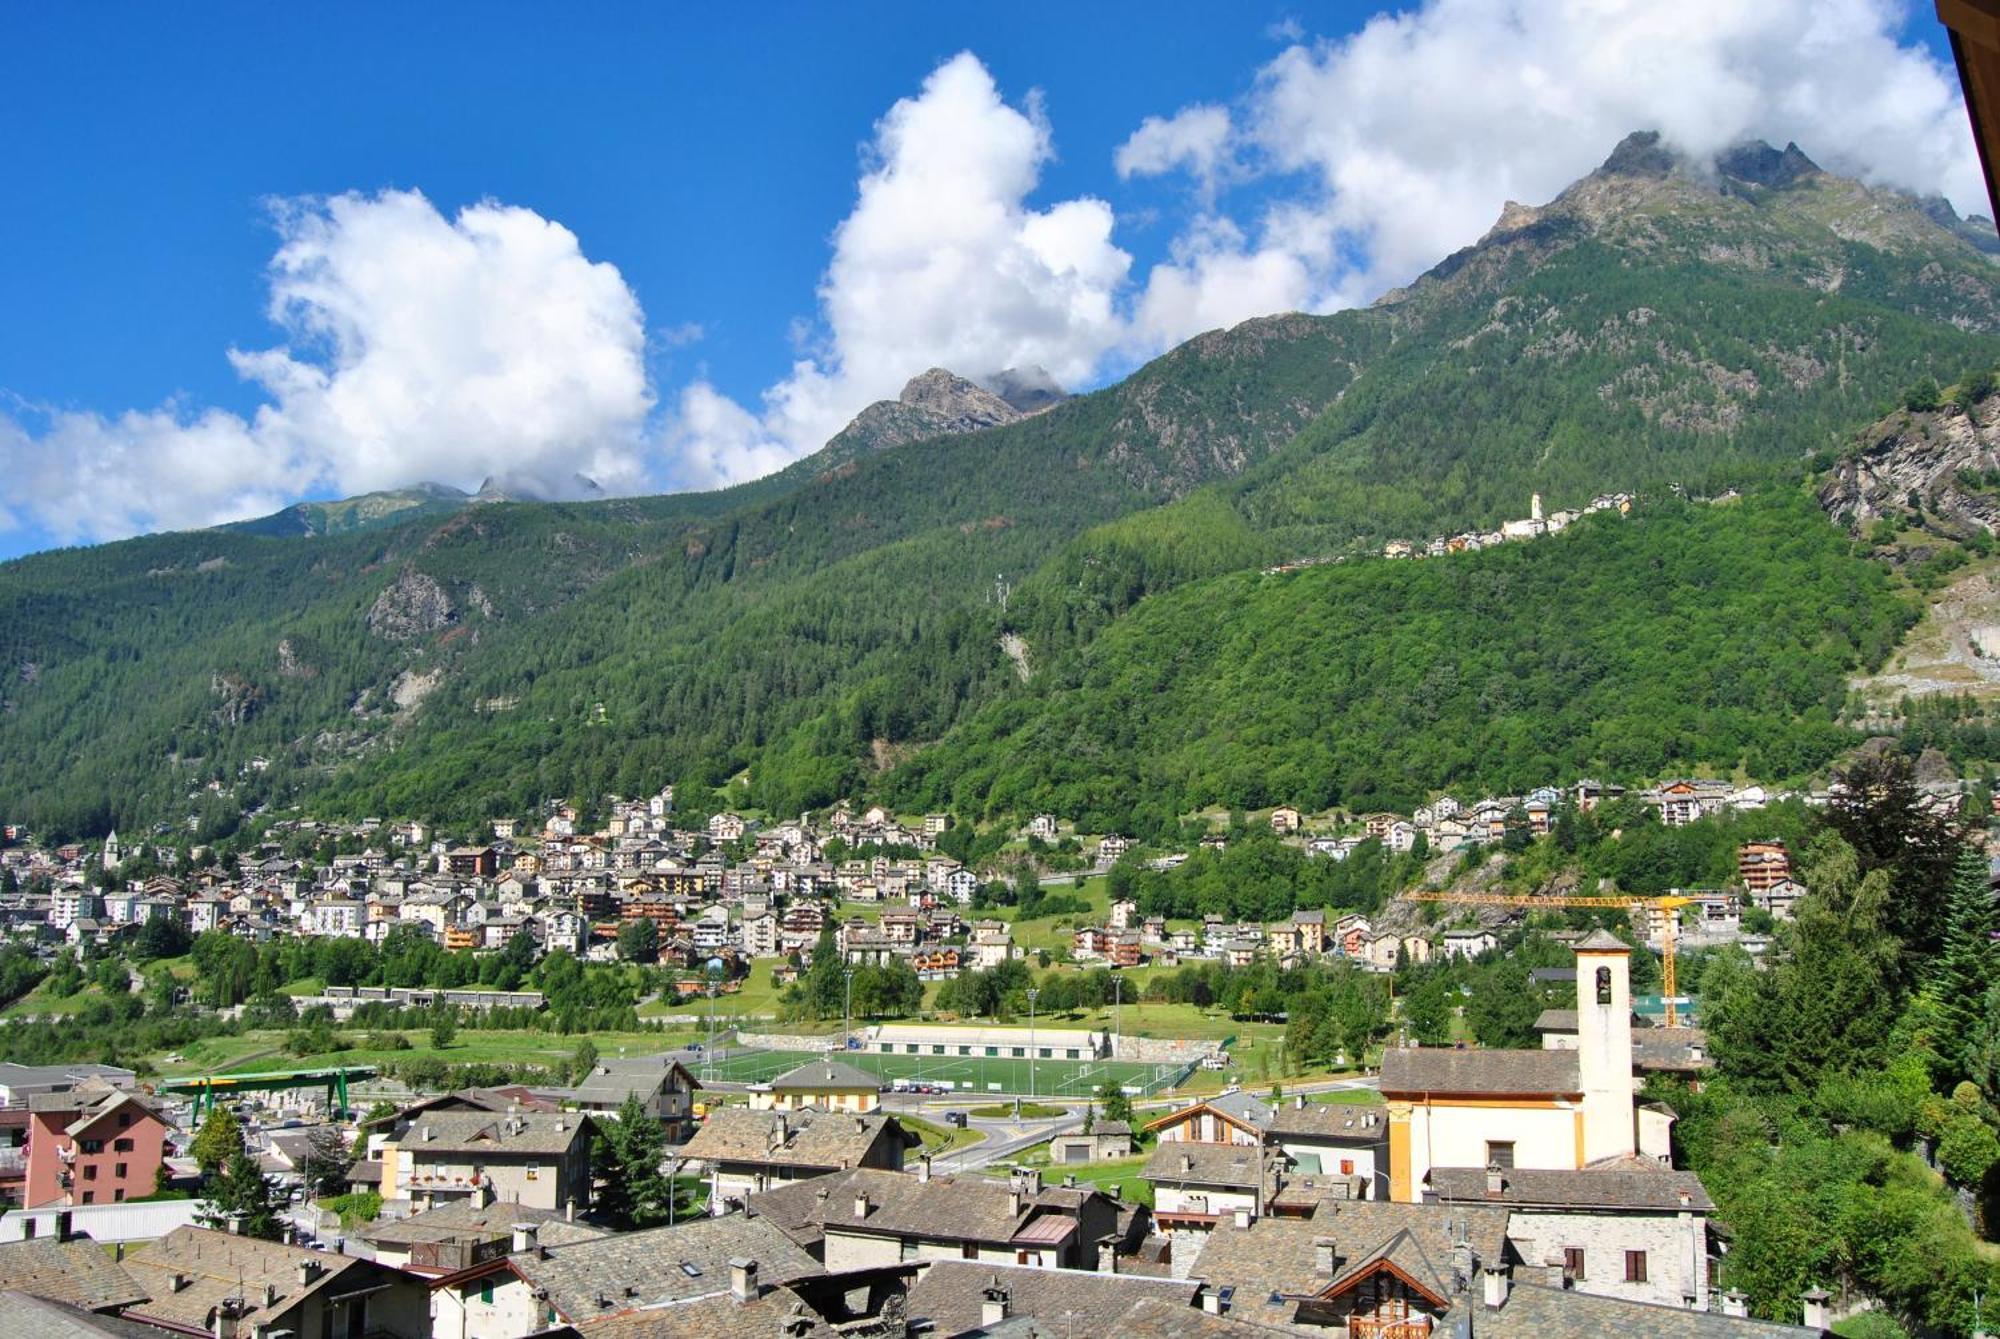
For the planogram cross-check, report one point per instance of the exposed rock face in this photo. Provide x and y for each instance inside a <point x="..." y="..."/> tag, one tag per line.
<point x="936" y="403"/>
<point x="413" y="605"/>
<point x="1942" y="460"/>
<point x="289" y="664"/>
<point x="955" y="403"/>
<point x="1761" y="165"/>
<point x="239" y="698"/>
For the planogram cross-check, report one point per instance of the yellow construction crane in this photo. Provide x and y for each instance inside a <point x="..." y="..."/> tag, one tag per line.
<point x="1668" y="907"/>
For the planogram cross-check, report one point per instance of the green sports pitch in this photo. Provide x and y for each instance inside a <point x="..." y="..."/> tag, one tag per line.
<point x="975" y="1076"/>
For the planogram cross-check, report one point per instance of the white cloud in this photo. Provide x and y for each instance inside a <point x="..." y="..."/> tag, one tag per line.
<point x="942" y="262"/>
<point x="1195" y="139"/>
<point x="1406" y="137"/>
<point x="418" y="347"/>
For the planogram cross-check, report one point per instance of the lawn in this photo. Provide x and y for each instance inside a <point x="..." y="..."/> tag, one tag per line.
<point x="968" y="1074"/>
<point x="1121" y="1174"/>
<point x="757" y="1000"/>
<point x="939" y="1139"/>
<point x="1026" y="1111"/>
<point x="265" y="1050"/>
<point x="41" y="1000"/>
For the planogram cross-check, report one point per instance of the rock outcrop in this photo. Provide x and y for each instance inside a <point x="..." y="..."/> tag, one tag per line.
<point x="413" y="605"/>
<point x="1939" y="469"/>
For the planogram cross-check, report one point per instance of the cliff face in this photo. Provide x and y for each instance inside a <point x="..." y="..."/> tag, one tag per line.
<point x="1938" y="469"/>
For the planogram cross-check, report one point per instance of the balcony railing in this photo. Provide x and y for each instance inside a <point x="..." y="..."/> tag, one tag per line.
<point x="1363" y="1327"/>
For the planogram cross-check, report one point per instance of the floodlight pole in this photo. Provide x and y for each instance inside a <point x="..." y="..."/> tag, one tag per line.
<point x="847" y="1011"/>
<point x="1032" y="993"/>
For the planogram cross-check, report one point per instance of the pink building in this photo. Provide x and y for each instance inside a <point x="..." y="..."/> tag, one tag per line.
<point x="92" y="1145"/>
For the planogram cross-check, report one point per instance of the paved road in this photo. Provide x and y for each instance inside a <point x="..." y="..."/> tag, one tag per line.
<point x="1004" y="1138"/>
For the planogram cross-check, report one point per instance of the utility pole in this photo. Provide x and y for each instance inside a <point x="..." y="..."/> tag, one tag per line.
<point x="1032" y="993"/>
<point x="847" y="1011"/>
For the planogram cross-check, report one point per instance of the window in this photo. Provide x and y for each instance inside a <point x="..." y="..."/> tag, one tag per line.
<point x="93" y="1145"/>
<point x="90" y="1197"/>
<point x="1573" y="1262"/>
<point x="1020" y="1051"/>
<point x="118" y="1169"/>
<point x="118" y="1195"/>
<point x="486" y="1291"/>
<point x="90" y="1171"/>
<point x="1499" y="1153"/>
<point x="1604" y="985"/>
<point x="937" y="1050"/>
<point x="965" y="1050"/>
<point x="911" y="1048"/>
<point x="124" y="1119"/>
<point x="1635" y="1266"/>
<point x="993" y="1050"/>
<point x="121" y="1146"/>
<point x="966" y="1252"/>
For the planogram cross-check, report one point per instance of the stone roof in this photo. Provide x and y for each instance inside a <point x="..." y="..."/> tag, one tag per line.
<point x="465" y="1218"/>
<point x="218" y="1265"/>
<point x="1159" y="1318"/>
<point x="1446" y="1069"/>
<point x="1618" y="1183"/>
<point x="610" y="1082"/>
<point x="1280" y="1255"/>
<point x="76" y="1271"/>
<point x="950" y="1295"/>
<point x="773" y="1312"/>
<point x="1683" y="1049"/>
<point x="1349" y="1121"/>
<point x="30" y="1317"/>
<point x="1534" y="1311"/>
<point x="1602" y="941"/>
<point x="1238" y="1166"/>
<point x="818" y="1075"/>
<point x="828" y="1140"/>
<point x="948" y="1208"/>
<point x="633" y="1270"/>
<point x="487" y="1133"/>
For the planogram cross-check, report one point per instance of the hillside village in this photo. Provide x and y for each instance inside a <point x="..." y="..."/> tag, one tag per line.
<point x="735" y="890"/>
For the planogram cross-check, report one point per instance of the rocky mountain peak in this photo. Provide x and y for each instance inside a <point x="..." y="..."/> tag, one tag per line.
<point x="958" y="405"/>
<point x="1761" y="165"/>
<point x="1029" y="389"/>
<point x="1640" y="154"/>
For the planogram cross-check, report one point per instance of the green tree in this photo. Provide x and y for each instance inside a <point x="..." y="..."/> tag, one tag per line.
<point x="327" y="1162"/>
<point x="633" y="1191"/>
<point x="238" y="1195"/>
<point x="220" y="1136"/>
<point x="444" y="1027"/>
<point x="1957" y="978"/>
<point x="639" y="940"/>
<point x="582" y="1060"/>
<point x="1113" y="1103"/>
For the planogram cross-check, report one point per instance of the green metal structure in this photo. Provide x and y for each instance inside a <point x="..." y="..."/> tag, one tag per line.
<point x="206" y="1089"/>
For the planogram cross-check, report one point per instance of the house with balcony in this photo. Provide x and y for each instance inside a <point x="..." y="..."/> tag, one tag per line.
<point x="92" y="1144"/>
<point x="540" y="1158"/>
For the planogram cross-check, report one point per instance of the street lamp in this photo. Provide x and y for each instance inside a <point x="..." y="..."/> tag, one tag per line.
<point x="1032" y="993"/>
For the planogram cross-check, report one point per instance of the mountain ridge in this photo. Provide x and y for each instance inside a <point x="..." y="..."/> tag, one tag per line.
<point x="798" y="628"/>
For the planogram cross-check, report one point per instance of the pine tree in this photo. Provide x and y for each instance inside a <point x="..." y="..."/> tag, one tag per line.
<point x="633" y="1192"/>
<point x="1957" y="978"/>
<point x="220" y="1137"/>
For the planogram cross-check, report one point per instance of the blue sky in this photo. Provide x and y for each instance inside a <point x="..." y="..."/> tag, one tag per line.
<point x="775" y="189"/>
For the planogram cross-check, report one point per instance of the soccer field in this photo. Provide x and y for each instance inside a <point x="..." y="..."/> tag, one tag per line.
<point x="976" y="1075"/>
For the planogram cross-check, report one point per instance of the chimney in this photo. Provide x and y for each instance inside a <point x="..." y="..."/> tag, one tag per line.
<point x="1494" y="1287"/>
<point x="1298" y="1101"/>
<point x="1187" y="1164"/>
<point x="426" y="1134"/>
<point x="1242" y="1217"/>
<point x="1496" y="1180"/>
<point x="1014" y="1200"/>
<point x="743" y="1279"/>
<point x="228" y="1313"/>
<point x="177" y="1283"/>
<point x="1815" y="1301"/>
<point x="861" y="1204"/>
<point x="993" y="1303"/>
<point x="308" y="1271"/>
<point x="234" y="1223"/>
<point x="1107" y="1254"/>
<point x="924" y="1170"/>
<point x="526" y="1237"/>
<point x="270" y="1294"/>
<point x="1735" y="1303"/>
<point x="1323" y="1256"/>
<point x="1211" y="1301"/>
<point x="64" y="1225"/>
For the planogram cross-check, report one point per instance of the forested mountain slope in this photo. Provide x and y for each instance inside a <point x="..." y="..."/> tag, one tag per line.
<point x="1658" y="323"/>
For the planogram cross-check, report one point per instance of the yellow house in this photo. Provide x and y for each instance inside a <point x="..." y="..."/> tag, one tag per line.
<point x="1555" y="1110"/>
<point x="828" y="1085"/>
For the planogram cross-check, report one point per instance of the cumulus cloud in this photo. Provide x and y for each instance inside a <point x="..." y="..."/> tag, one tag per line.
<point x="942" y="262"/>
<point x="1399" y="143"/>
<point x="417" y="348"/>
<point x="1195" y="139"/>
